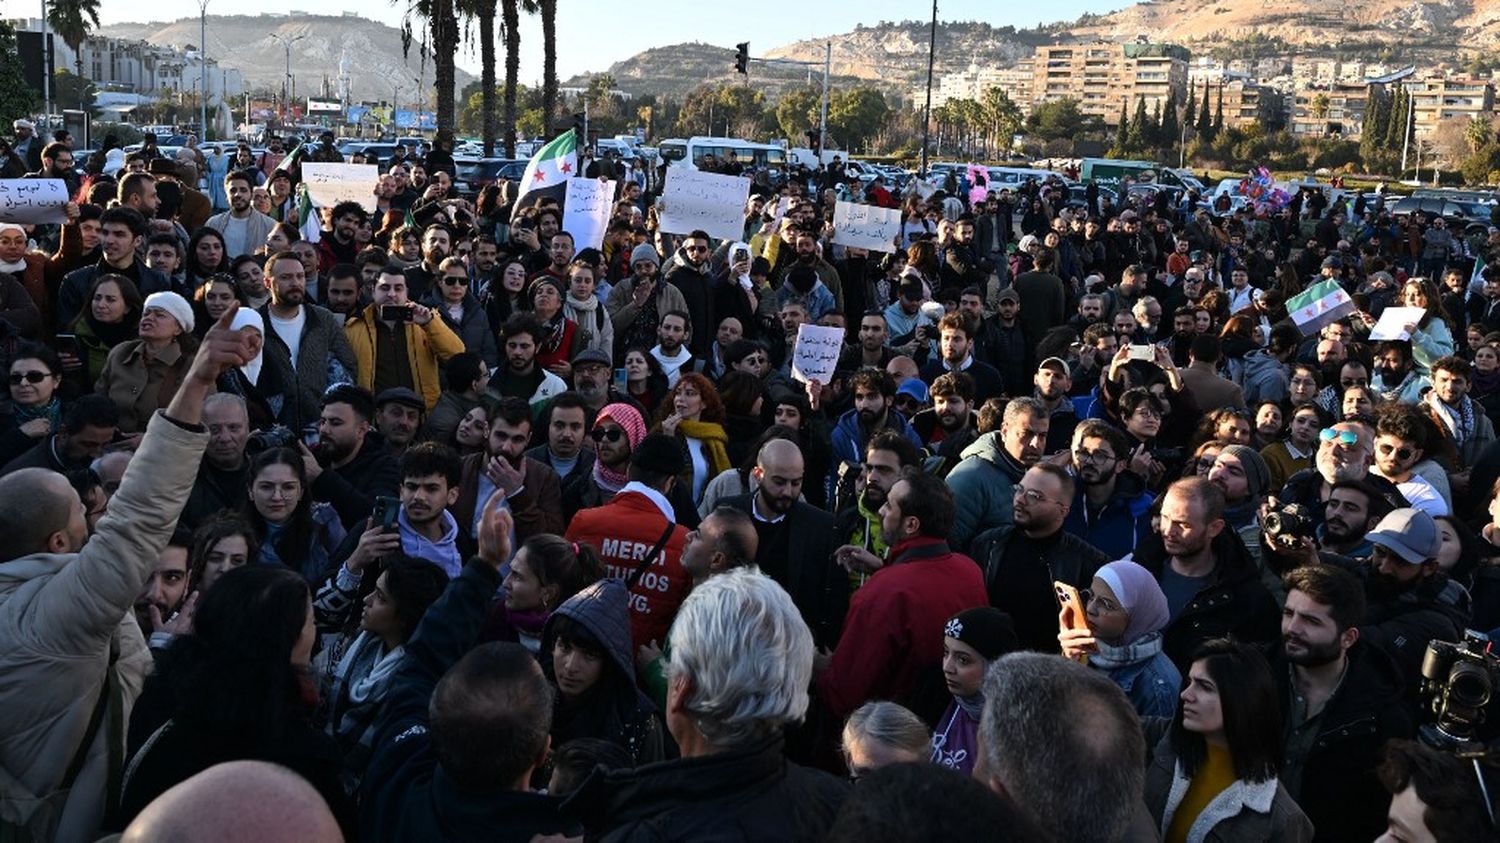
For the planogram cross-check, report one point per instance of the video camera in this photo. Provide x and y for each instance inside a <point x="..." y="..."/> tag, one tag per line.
<point x="1458" y="687"/>
<point x="1286" y="525"/>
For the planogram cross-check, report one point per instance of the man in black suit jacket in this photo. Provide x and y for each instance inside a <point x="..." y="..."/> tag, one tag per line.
<point x="796" y="541"/>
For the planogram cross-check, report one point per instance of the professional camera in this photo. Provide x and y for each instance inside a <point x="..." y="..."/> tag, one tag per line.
<point x="1458" y="685"/>
<point x="1288" y="524"/>
<point x="279" y="436"/>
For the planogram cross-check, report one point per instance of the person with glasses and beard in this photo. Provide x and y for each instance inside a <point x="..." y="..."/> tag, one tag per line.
<point x="1105" y="513"/>
<point x="1401" y="436"/>
<point x="692" y="276"/>
<point x="617" y="430"/>
<point x="461" y="311"/>
<point x="1341" y="699"/>
<point x="949" y="425"/>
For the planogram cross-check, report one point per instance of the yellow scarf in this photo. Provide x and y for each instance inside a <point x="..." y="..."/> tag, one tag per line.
<point x="713" y="438"/>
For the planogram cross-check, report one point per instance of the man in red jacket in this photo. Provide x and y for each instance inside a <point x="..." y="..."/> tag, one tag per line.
<point x="638" y="525"/>
<point x="893" y="634"/>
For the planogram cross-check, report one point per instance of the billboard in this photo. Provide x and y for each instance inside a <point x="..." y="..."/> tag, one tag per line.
<point x="408" y="119"/>
<point x="315" y="106"/>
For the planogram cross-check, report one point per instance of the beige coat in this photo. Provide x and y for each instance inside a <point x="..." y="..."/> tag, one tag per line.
<point x="58" y="614"/>
<point x="140" y="388"/>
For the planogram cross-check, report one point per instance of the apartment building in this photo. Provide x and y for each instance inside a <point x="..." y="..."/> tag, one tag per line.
<point x="1105" y="77"/>
<point x="1437" y="100"/>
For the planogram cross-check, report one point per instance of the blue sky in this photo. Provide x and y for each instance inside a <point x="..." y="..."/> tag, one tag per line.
<point x="596" y="33"/>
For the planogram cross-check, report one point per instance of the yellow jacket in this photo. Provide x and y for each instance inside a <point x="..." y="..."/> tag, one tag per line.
<point x="426" y="346"/>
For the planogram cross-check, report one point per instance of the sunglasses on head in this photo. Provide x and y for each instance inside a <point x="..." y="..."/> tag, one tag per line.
<point x="603" y="434"/>
<point x="1346" y="437"/>
<point x="29" y="377"/>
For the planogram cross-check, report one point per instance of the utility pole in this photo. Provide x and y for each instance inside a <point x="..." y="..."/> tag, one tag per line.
<point x="927" y="108"/>
<point x="203" y="70"/>
<point x="287" y="82"/>
<point x="823" y="116"/>
<point x="47" y="65"/>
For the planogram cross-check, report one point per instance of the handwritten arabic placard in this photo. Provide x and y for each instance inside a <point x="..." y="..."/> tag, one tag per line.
<point x="586" y="208"/>
<point x="866" y="226"/>
<point x="330" y="184"/>
<point x="692" y="200"/>
<point x="816" y="354"/>
<point x="33" y="201"/>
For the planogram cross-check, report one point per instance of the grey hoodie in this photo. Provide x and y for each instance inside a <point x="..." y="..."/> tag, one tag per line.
<point x="603" y="608"/>
<point x="1265" y="378"/>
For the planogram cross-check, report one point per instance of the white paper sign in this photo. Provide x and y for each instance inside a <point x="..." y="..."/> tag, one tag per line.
<point x="33" y="201"/>
<point x="692" y="200"/>
<point x="330" y="184"/>
<point x="816" y="354"/>
<point x="586" y="209"/>
<point x="1393" y="321"/>
<point x="866" y="226"/>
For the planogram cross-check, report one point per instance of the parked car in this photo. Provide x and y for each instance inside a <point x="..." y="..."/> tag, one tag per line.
<point x="1456" y="213"/>
<point x="474" y="174"/>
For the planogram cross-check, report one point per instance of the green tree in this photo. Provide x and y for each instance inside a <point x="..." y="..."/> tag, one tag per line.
<point x="1190" y="111"/>
<point x="1059" y="119"/>
<point x="1205" y="125"/>
<point x="1372" y="131"/>
<point x="796" y="112"/>
<point x="547" y="9"/>
<point x="1219" y="112"/>
<point x="856" y="114"/>
<point x="69" y="88"/>
<point x="1122" y="128"/>
<point x="72" y="20"/>
<point x="17" y="99"/>
<point x="1156" y="133"/>
<point x="1170" y="126"/>
<point x="1004" y="117"/>
<point x="1478" y="134"/>
<point x="1137" y="136"/>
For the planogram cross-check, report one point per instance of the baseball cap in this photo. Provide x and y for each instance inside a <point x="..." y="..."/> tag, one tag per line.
<point x="1127" y="216"/>
<point x="399" y="395"/>
<point x="1332" y="262"/>
<point x="913" y="388"/>
<point x="1009" y="293"/>
<point x="1056" y="364"/>
<point x="1410" y="534"/>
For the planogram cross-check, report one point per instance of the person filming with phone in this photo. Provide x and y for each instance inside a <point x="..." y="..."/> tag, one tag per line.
<point x="397" y="342"/>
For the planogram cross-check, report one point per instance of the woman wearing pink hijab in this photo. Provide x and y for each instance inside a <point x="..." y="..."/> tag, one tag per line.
<point x="1126" y="611"/>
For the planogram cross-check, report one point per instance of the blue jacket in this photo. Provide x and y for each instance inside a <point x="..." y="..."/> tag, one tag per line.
<point x="849" y="441"/>
<point x="1124" y="520"/>
<point x="1144" y="673"/>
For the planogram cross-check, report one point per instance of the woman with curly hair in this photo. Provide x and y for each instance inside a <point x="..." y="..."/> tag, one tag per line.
<point x="695" y="415"/>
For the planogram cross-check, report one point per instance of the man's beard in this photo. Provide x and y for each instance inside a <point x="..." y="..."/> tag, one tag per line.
<point x="590" y="390"/>
<point x="779" y="505"/>
<point x="669" y="346"/>
<point x="951" y="421"/>
<point x="1386" y="587"/>
<point x="291" y="297"/>
<point x="1312" y="655"/>
<point x="240" y="205"/>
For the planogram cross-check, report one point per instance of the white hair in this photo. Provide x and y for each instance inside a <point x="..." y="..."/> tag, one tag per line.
<point x="749" y="655"/>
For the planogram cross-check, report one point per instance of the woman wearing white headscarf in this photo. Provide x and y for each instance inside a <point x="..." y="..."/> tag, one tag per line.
<point x="258" y="384"/>
<point x="1126" y="611"/>
<point x="142" y="375"/>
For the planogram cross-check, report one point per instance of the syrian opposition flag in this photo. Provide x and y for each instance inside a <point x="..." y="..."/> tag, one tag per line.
<point x="548" y="173"/>
<point x="1476" y="278"/>
<point x="1319" y="305"/>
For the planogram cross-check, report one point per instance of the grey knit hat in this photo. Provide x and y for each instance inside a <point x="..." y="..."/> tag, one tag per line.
<point x="644" y="252"/>
<point x="1257" y="473"/>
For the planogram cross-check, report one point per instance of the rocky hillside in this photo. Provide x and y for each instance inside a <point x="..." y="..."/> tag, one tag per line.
<point x="244" y="42"/>
<point x="893" y="54"/>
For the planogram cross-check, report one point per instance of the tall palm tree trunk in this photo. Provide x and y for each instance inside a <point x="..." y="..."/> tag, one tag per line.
<point x="445" y="51"/>
<point x="549" y="61"/>
<point x="511" y="21"/>
<point x="486" y="17"/>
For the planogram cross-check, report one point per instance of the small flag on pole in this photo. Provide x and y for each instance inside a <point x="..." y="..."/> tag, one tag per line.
<point x="549" y="171"/>
<point x="1319" y="305"/>
<point x="1476" y="278"/>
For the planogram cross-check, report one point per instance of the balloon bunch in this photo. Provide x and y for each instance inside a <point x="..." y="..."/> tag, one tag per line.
<point x="1264" y="196"/>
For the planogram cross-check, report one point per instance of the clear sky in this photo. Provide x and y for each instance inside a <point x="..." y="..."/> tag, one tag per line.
<point x="595" y="33"/>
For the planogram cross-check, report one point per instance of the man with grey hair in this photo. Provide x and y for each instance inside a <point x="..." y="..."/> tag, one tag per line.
<point x="982" y="483"/>
<point x="740" y="666"/>
<point x="223" y="476"/>
<point x="1064" y="745"/>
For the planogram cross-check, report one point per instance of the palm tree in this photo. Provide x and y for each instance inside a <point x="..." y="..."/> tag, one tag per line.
<point x="439" y="20"/>
<point x="482" y="13"/>
<point x="510" y="18"/>
<point x="71" y="20"/>
<point x="548" y="10"/>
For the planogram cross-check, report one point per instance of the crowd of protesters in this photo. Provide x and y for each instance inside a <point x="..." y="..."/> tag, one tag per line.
<point x="427" y="524"/>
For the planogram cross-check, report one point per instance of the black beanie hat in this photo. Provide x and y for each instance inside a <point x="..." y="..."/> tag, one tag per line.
<point x="658" y="453"/>
<point x="988" y="630"/>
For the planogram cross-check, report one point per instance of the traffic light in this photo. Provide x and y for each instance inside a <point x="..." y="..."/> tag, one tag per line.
<point x="742" y="58"/>
<point x="813" y="141"/>
<point x="580" y="129"/>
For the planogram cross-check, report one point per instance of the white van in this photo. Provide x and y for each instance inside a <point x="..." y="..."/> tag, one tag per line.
<point x="690" y="153"/>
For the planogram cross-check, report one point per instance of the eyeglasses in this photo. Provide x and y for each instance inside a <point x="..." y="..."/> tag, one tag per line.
<point x="603" y="434"/>
<point x="1348" y="382"/>
<point x="1345" y="437"/>
<point x="1386" y="449"/>
<point x="1095" y="457"/>
<point x="29" y="377"/>
<point x="453" y="281"/>
<point x="1031" y="495"/>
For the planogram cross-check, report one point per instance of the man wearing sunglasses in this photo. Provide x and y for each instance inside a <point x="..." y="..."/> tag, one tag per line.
<point x="1399" y="431"/>
<point x="691" y="275"/>
<point x="1345" y="452"/>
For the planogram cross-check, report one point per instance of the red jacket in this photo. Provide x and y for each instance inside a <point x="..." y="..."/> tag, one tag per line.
<point x="624" y="531"/>
<point x="894" y="632"/>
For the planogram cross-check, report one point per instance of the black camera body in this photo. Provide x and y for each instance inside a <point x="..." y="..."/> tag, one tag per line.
<point x="278" y="436"/>
<point x="1288" y="524"/>
<point x="1458" y="687"/>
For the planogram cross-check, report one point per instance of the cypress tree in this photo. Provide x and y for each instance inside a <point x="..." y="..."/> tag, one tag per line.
<point x="1205" y="123"/>
<point x="1219" y="112"/>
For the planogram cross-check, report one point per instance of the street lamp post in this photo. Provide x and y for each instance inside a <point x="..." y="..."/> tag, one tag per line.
<point x="927" y="108"/>
<point x="203" y="69"/>
<point x="286" y="83"/>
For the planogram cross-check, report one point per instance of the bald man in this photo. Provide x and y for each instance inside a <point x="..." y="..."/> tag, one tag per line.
<point x="65" y="619"/>
<point x="237" y="802"/>
<point x="725" y="540"/>
<point x="795" y="540"/>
